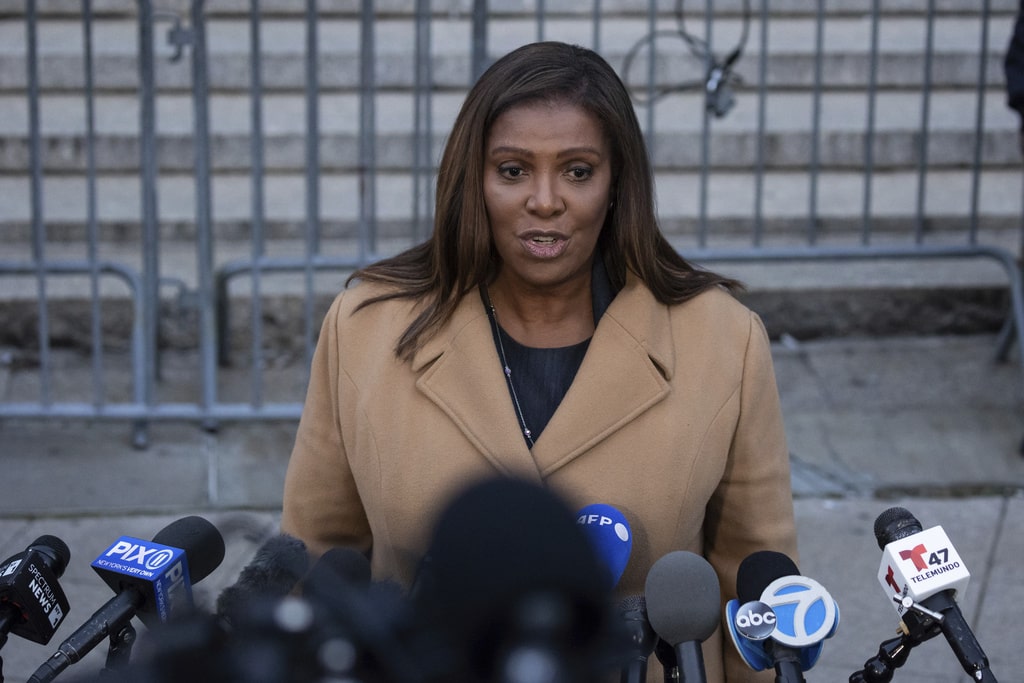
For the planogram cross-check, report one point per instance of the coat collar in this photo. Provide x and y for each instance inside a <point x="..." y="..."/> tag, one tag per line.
<point x="625" y="372"/>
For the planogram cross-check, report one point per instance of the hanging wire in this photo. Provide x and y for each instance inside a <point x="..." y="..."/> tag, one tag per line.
<point x="718" y="75"/>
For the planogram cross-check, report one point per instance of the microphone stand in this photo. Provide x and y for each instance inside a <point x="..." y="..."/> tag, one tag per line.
<point x="642" y="638"/>
<point x="787" y="662"/>
<point x="919" y="625"/>
<point x="119" y="651"/>
<point x="667" y="657"/>
<point x="7" y="618"/>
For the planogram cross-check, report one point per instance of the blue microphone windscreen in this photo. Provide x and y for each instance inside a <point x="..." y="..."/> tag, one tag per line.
<point x="610" y="535"/>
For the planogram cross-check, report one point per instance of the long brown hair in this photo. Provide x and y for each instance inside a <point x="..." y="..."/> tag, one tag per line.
<point x="460" y="255"/>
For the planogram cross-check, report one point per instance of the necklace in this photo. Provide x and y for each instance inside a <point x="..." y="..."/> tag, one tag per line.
<point x="492" y="316"/>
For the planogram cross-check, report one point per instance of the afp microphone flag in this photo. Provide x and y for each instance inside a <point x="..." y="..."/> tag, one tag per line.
<point x="609" y="533"/>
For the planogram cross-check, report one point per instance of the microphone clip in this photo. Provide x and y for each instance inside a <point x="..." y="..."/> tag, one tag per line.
<point x="908" y="604"/>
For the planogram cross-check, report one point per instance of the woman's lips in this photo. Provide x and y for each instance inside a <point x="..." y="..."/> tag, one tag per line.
<point x="544" y="246"/>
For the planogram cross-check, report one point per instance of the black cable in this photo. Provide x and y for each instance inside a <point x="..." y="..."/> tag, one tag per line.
<point x="718" y="76"/>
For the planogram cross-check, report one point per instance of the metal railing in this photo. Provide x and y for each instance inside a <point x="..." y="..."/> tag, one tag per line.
<point x="668" y="58"/>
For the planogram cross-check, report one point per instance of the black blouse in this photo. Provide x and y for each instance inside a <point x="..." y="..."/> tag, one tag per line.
<point x="542" y="376"/>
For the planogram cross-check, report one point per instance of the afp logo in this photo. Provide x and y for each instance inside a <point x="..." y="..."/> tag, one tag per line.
<point x="805" y="612"/>
<point x="135" y="553"/>
<point x="592" y="519"/>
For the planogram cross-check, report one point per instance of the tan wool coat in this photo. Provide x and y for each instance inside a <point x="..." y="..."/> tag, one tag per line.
<point x="673" y="418"/>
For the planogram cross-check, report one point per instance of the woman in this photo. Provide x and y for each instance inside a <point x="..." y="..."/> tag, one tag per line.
<point x="548" y="331"/>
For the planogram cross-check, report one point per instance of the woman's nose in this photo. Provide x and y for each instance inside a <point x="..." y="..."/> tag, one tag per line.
<point x="545" y="198"/>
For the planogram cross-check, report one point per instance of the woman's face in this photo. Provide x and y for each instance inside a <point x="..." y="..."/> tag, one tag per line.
<point x="547" y="187"/>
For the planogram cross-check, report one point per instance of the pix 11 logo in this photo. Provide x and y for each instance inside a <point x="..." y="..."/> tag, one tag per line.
<point x="133" y="552"/>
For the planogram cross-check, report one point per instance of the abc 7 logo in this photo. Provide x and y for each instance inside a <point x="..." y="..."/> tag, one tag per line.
<point x="802" y="610"/>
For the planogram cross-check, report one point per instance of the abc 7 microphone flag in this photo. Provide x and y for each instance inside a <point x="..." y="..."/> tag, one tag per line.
<point x="795" y="611"/>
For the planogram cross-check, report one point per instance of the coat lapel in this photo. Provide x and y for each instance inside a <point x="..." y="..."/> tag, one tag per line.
<point x="461" y="374"/>
<point x="625" y="372"/>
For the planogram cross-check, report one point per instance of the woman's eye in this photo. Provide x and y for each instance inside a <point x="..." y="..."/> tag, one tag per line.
<point x="510" y="171"/>
<point x="580" y="172"/>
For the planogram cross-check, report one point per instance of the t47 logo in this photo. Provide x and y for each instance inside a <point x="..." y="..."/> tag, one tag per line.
<point x="917" y="553"/>
<point x="917" y="556"/>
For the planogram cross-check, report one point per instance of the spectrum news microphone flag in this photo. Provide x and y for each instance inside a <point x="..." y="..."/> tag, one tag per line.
<point x="32" y="603"/>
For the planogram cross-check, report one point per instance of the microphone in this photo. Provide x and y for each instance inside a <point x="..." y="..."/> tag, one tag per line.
<point x="780" y="619"/>
<point x="515" y="588"/>
<point x="372" y="618"/>
<point x="32" y="603"/>
<point x="261" y="630"/>
<point x="610" y="536"/>
<point x="923" y="574"/>
<point x="346" y="564"/>
<point x="667" y="658"/>
<point x="152" y="580"/>
<point x="642" y="638"/>
<point x="275" y="569"/>
<point x="684" y="620"/>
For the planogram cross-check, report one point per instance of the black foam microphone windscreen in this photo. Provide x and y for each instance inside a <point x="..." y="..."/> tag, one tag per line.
<point x="55" y="550"/>
<point x="758" y="570"/>
<point x="502" y="538"/>
<point x="275" y="569"/>
<point x="508" y="568"/>
<point x="894" y="524"/>
<point x="346" y="564"/>
<point x="200" y="538"/>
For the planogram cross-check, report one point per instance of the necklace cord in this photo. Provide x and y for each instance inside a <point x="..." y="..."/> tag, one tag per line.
<point x="492" y="316"/>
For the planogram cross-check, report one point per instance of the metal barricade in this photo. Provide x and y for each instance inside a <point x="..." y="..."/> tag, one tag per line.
<point x="391" y="76"/>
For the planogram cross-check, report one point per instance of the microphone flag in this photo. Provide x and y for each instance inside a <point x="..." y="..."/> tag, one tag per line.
<point x="159" y="571"/>
<point x="917" y="567"/>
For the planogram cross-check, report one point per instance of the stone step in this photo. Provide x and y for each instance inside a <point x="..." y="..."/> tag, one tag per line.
<point x="730" y="206"/>
<point x="177" y="259"/>
<point x="395" y="153"/>
<point x="117" y="114"/>
<point x="678" y="122"/>
<point x="790" y="48"/>
<point x="801" y="299"/>
<point x="694" y="8"/>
